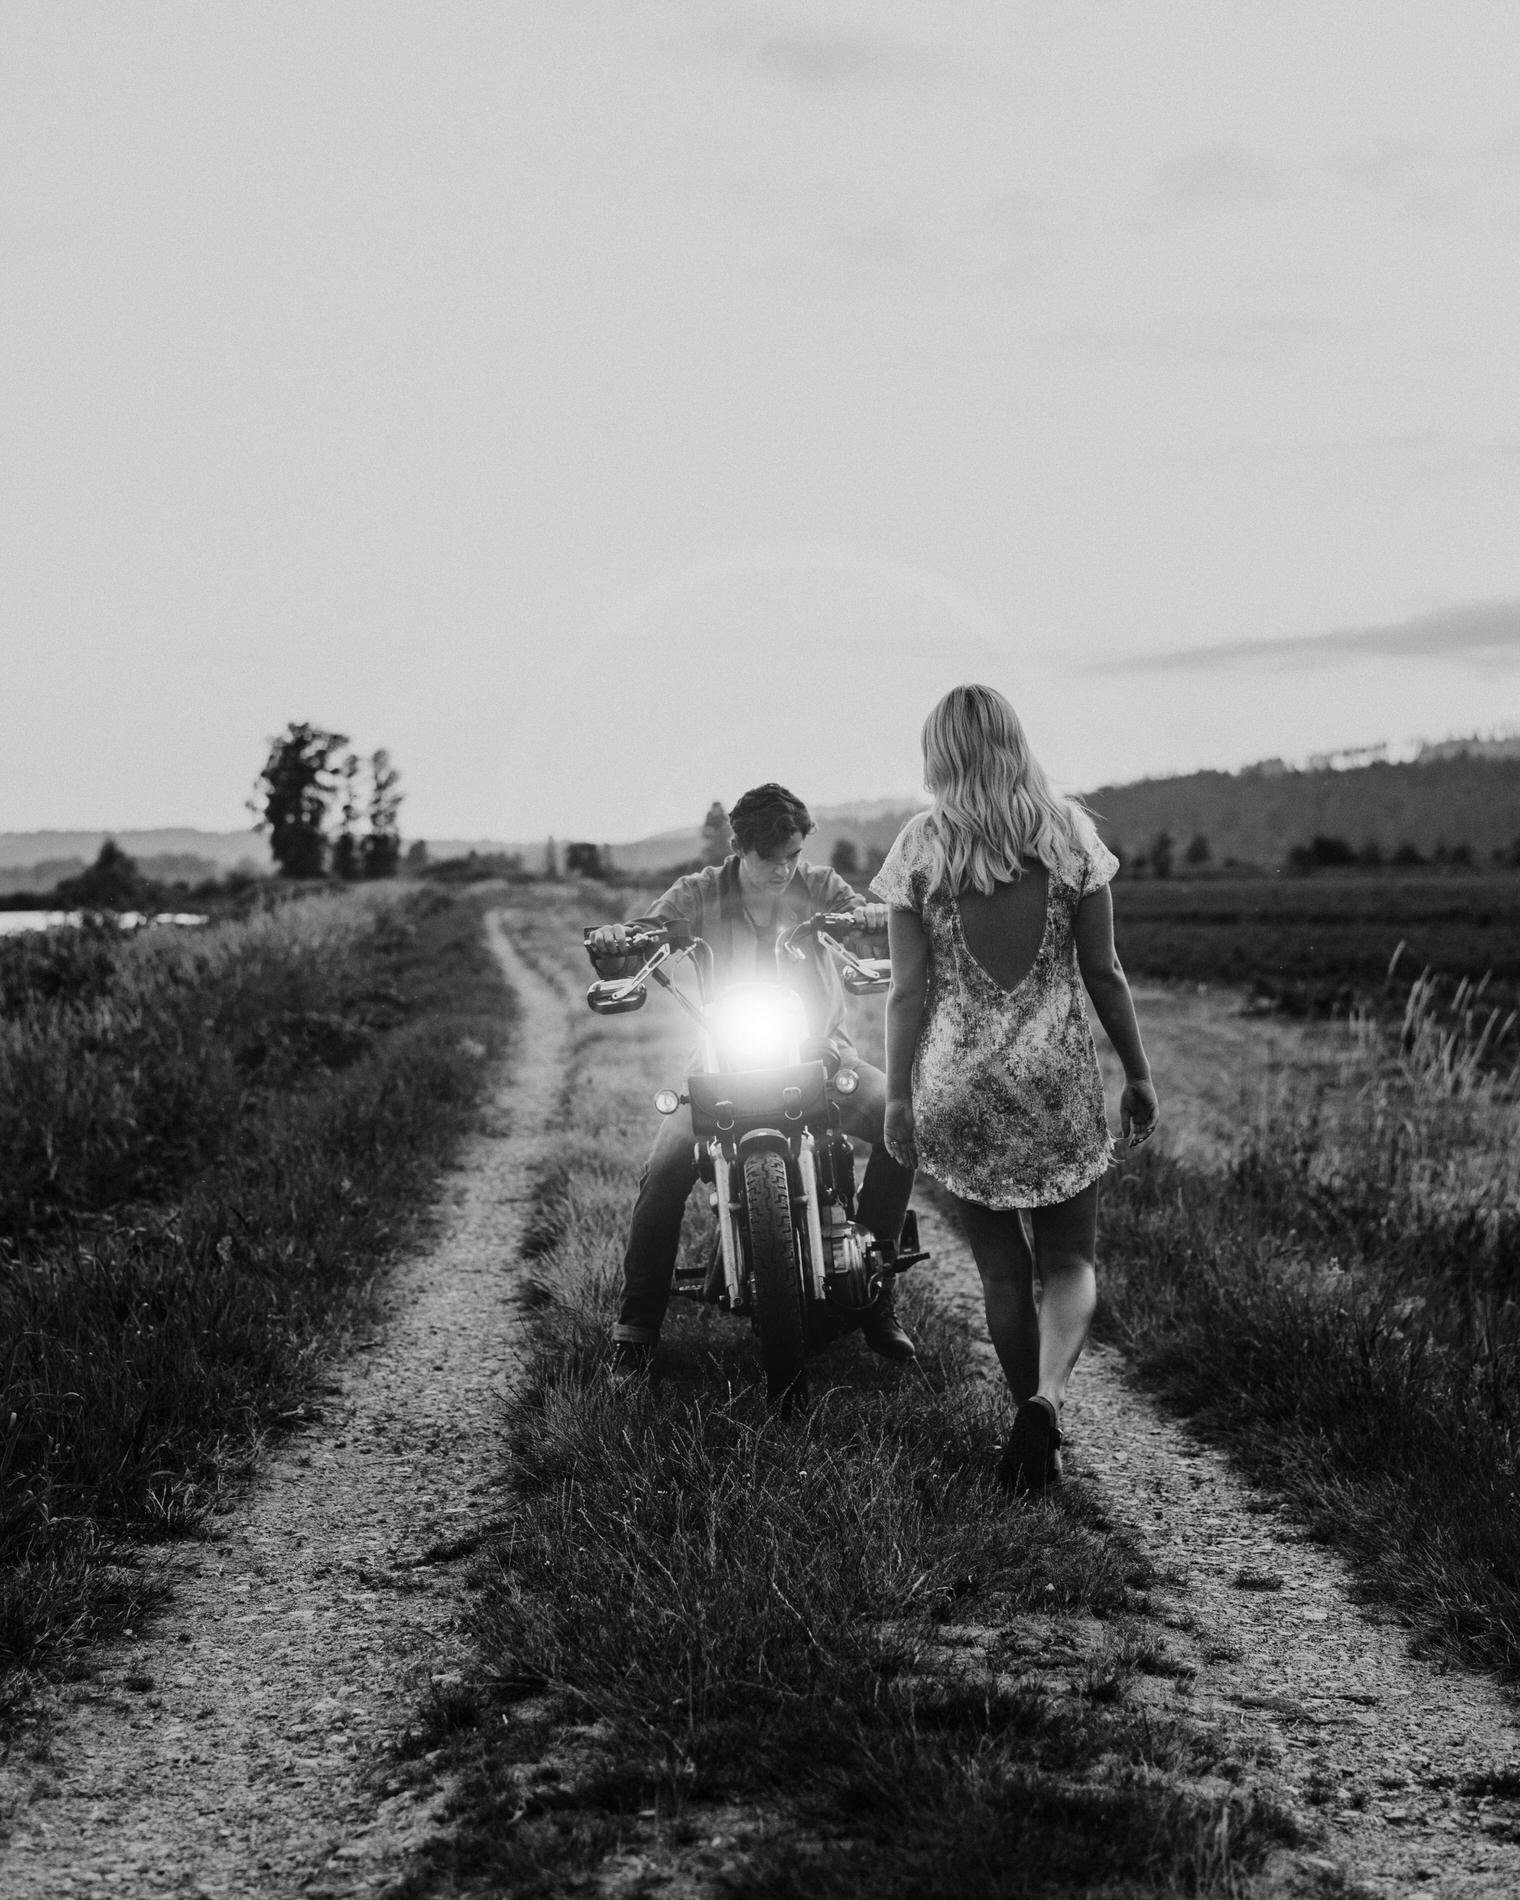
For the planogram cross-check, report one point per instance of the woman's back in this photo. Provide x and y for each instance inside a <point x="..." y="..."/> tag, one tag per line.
<point x="1005" y="927"/>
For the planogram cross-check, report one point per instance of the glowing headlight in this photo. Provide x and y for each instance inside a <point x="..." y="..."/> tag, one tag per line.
<point x="756" y="1029"/>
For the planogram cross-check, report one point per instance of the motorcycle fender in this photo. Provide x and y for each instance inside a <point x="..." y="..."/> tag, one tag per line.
<point x="773" y="1138"/>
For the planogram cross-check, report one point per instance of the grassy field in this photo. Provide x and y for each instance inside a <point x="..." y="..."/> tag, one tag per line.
<point x="1326" y="941"/>
<point x="819" y="1631"/>
<point x="209" y="1145"/>
<point x="1338" y="1302"/>
<point x="827" y="1633"/>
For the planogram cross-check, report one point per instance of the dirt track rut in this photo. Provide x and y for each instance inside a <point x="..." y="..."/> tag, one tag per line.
<point x="1321" y="1697"/>
<point x="242" y="1745"/>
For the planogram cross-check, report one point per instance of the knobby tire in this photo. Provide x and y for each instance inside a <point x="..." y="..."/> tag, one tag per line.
<point x="776" y="1277"/>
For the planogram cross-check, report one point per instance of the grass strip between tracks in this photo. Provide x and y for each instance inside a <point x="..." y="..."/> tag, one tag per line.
<point x="820" y="1632"/>
<point x="210" y="1145"/>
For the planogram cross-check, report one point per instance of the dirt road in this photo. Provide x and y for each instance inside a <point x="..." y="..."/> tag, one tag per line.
<point x="1320" y="1696"/>
<point x="246" y="1744"/>
<point x="243" y="1744"/>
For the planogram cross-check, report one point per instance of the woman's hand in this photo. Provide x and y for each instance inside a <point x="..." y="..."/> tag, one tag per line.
<point x="898" y="1133"/>
<point x="1139" y="1112"/>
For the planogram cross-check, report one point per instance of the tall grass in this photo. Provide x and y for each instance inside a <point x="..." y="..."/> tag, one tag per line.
<point x="209" y="1147"/>
<point x="824" y="1624"/>
<point x="1342" y="1305"/>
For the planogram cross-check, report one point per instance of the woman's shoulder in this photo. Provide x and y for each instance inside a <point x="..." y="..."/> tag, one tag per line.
<point x="1093" y="864"/>
<point x="900" y="881"/>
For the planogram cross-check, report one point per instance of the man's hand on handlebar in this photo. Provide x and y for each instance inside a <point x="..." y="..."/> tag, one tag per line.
<point x="612" y="952"/>
<point x="869" y="919"/>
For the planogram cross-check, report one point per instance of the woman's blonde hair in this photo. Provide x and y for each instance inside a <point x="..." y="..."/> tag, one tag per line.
<point x="993" y="805"/>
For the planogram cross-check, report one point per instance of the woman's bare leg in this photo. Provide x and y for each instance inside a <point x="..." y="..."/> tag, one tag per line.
<point x="1065" y="1250"/>
<point x="997" y="1242"/>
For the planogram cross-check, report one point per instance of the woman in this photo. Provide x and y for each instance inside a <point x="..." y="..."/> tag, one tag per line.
<point x="999" y="901"/>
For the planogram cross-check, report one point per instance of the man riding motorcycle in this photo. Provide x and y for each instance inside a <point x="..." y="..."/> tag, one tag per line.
<point x="739" y="908"/>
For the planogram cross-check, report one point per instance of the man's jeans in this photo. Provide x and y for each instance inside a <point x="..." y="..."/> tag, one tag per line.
<point x="671" y="1172"/>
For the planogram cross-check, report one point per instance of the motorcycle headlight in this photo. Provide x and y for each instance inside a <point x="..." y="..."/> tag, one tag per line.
<point x="756" y="1029"/>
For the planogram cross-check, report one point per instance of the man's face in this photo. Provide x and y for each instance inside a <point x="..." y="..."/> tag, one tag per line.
<point x="768" y="873"/>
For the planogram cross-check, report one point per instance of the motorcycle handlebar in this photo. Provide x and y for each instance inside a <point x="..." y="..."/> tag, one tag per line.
<point x="655" y="934"/>
<point x="650" y="936"/>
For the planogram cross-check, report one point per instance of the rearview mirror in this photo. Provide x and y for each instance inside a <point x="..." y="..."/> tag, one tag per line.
<point x="615" y="999"/>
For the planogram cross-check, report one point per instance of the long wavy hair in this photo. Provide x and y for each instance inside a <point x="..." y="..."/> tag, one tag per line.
<point x="993" y="805"/>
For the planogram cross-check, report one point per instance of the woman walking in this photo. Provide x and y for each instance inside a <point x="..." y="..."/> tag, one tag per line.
<point x="999" y="902"/>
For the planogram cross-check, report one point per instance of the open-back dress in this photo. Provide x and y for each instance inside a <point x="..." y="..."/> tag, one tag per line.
<point x="1007" y="1095"/>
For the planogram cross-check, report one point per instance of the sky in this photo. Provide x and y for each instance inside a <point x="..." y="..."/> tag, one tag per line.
<point x="606" y="405"/>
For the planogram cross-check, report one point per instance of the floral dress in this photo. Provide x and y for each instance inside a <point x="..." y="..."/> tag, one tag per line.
<point x="1007" y="1096"/>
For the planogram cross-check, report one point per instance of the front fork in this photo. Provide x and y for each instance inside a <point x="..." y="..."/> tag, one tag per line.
<point x="725" y="1206"/>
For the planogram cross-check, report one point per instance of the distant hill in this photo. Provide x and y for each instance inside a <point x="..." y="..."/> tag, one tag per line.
<point x="1258" y="815"/>
<point x="225" y="849"/>
<point x="1255" y="816"/>
<point x="37" y="860"/>
<point x="1460" y="792"/>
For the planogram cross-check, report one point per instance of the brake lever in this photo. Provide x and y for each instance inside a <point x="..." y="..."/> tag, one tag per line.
<point x="847" y="957"/>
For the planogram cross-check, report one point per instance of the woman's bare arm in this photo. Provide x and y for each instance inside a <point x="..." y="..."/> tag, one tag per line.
<point x="905" y="1014"/>
<point x="1107" y="985"/>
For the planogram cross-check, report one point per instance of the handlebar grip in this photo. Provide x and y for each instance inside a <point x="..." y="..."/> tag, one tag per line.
<point x="649" y="936"/>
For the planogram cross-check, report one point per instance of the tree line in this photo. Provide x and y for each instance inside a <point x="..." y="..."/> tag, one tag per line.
<point x="310" y="779"/>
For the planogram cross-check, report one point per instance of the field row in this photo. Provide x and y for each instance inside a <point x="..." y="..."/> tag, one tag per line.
<point x="1324" y="942"/>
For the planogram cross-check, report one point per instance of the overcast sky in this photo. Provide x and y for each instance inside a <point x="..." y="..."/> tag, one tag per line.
<point x="608" y="404"/>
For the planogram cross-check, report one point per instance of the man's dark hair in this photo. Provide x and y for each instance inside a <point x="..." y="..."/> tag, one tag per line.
<point x="766" y="817"/>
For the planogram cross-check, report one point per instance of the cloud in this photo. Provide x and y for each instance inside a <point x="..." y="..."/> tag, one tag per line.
<point x="1222" y="176"/>
<point x="827" y="62"/>
<point x="1486" y="634"/>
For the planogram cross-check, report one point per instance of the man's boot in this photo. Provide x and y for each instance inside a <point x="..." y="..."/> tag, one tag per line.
<point x="880" y="1325"/>
<point x="630" y="1363"/>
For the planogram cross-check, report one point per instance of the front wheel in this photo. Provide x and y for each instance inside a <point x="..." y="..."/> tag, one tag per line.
<point x="776" y="1276"/>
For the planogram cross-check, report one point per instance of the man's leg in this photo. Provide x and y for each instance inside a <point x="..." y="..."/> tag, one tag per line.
<point x="654" y="1232"/>
<point x="880" y="1204"/>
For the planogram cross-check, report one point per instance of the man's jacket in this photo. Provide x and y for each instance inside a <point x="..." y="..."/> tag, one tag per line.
<point x="712" y="903"/>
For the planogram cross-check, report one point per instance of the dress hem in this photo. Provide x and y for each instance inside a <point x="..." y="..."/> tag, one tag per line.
<point x="1047" y="1199"/>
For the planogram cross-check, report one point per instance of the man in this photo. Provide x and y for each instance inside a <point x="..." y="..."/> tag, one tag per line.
<point x="739" y="908"/>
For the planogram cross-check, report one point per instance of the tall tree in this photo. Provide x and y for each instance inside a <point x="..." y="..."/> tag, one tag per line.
<point x="380" y="852"/>
<point x="345" y="855"/>
<point x="292" y="795"/>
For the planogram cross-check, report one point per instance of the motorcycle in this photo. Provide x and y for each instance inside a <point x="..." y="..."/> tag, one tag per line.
<point x="779" y="1168"/>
